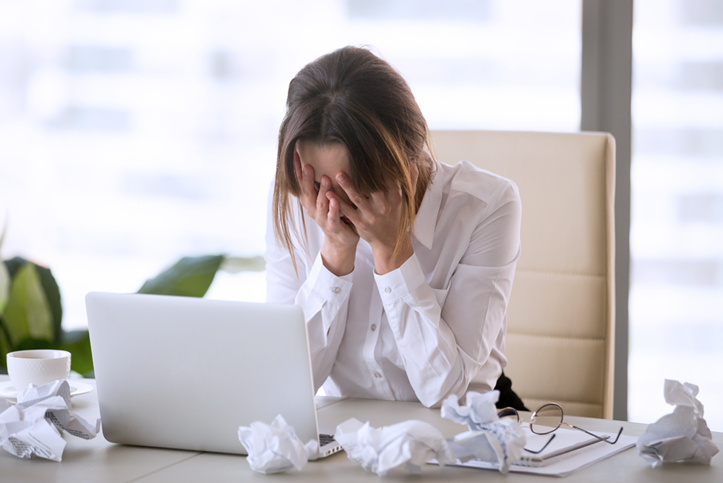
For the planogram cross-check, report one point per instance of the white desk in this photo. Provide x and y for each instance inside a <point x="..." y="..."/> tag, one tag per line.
<point x="99" y="461"/>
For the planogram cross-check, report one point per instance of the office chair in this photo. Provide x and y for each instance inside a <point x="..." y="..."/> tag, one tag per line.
<point x="561" y="314"/>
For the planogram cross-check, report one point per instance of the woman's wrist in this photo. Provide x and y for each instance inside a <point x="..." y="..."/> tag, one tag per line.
<point x="385" y="260"/>
<point x="339" y="260"/>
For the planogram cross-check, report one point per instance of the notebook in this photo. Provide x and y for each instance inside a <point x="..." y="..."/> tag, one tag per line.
<point x="185" y="373"/>
<point x="565" y="444"/>
<point x="572" y="458"/>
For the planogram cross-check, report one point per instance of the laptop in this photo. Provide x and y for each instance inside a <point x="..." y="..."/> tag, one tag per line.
<point x="185" y="373"/>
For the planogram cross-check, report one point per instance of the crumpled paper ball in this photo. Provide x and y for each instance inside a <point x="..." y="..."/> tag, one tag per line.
<point x="490" y="439"/>
<point x="406" y="445"/>
<point x="682" y="436"/>
<point x="275" y="448"/>
<point x="33" y="426"/>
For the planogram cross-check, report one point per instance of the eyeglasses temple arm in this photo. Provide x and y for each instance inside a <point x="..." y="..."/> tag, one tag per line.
<point x="600" y="437"/>
<point x="543" y="448"/>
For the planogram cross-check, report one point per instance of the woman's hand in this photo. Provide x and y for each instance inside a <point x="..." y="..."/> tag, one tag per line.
<point x="376" y="218"/>
<point x="340" y="240"/>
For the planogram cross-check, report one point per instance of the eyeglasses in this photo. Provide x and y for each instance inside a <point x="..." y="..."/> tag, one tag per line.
<point x="547" y="419"/>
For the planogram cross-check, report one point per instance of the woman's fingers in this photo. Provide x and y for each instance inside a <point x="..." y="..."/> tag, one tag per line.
<point x="333" y="215"/>
<point x="347" y="210"/>
<point x="305" y="176"/>
<point x="321" y="199"/>
<point x="320" y="204"/>
<point x="346" y="184"/>
<point x="334" y="218"/>
<point x="307" y="182"/>
<point x="387" y="201"/>
<point x="374" y="218"/>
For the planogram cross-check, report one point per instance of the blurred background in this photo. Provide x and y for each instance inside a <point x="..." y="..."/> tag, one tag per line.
<point x="135" y="132"/>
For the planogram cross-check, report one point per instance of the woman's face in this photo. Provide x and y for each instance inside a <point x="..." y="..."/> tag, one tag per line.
<point x="327" y="160"/>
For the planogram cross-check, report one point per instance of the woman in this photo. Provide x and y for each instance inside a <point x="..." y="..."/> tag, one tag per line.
<point x="403" y="266"/>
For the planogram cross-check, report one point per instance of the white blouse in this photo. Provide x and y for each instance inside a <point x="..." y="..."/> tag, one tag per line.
<point x="434" y="327"/>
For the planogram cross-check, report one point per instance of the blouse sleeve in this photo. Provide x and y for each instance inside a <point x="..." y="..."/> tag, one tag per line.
<point x="446" y="338"/>
<point x="323" y="297"/>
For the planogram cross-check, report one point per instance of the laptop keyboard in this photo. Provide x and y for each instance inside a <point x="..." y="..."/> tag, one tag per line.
<point x="325" y="439"/>
<point x="328" y="445"/>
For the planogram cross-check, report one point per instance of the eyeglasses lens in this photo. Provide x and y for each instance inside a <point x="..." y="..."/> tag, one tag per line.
<point x="546" y="419"/>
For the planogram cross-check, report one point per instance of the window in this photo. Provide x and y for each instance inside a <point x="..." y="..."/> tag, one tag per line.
<point x="676" y="297"/>
<point x="134" y="132"/>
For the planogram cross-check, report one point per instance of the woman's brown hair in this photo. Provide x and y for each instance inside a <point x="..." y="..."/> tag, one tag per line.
<point x="354" y="98"/>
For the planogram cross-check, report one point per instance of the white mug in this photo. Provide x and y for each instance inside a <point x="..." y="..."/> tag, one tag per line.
<point x="39" y="367"/>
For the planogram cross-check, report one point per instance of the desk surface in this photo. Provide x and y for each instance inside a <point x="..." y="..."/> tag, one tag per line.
<point x="99" y="461"/>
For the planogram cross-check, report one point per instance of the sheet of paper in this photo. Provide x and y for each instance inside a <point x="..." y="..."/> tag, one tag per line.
<point x="274" y="448"/>
<point x="564" y="441"/>
<point x="564" y="466"/>
<point x="491" y="439"/>
<point x="683" y="435"/>
<point x="403" y="446"/>
<point x="33" y="426"/>
<point x="40" y="439"/>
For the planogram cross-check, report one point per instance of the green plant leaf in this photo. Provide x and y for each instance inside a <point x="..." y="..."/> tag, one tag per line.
<point x="28" y="313"/>
<point x="52" y="293"/>
<point x="15" y="264"/>
<point x="31" y="344"/>
<point x="77" y="342"/>
<point x="5" y="346"/>
<point x="189" y="277"/>
<point x="4" y="286"/>
<point x="243" y="264"/>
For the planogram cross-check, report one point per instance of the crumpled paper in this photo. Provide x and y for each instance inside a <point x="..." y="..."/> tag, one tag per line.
<point x="34" y="425"/>
<point x="275" y="448"/>
<point x="409" y="444"/>
<point x="683" y="435"/>
<point x="490" y="439"/>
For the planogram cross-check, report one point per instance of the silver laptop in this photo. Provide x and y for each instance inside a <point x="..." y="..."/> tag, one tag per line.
<point x="185" y="373"/>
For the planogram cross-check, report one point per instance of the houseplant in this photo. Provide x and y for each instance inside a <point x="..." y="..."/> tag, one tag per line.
<point x="31" y="315"/>
<point x="31" y="311"/>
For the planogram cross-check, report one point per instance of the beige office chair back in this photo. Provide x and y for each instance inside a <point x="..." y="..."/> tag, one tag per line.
<point x="561" y="318"/>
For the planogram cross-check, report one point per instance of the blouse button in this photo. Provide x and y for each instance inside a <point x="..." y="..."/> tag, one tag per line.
<point x="335" y="289"/>
<point x="377" y="375"/>
<point x="387" y="290"/>
<point x="374" y="327"/>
